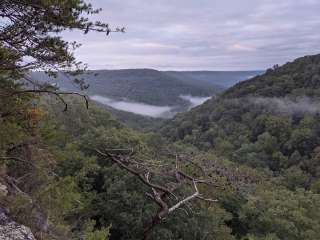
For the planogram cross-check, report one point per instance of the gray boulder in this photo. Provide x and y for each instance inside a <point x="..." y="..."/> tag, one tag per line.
<point x="10" y="230"/>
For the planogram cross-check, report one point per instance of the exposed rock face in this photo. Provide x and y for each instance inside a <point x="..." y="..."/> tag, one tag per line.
<point x="10" y="230"/>
<point x="3" y="190"/>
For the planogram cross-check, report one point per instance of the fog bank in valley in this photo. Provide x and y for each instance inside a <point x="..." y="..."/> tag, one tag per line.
<point x="134" y="107"/>
<point x="148" y="109"/>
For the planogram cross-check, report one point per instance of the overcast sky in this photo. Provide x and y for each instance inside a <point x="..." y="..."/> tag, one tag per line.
<point x="202" y="34"/>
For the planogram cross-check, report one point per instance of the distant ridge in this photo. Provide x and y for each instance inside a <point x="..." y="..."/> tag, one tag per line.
<point x="152" y="86"/>
<point x="222" y="79"/>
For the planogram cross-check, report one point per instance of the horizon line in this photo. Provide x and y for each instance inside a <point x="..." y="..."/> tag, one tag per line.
<point x="159" y="70"/>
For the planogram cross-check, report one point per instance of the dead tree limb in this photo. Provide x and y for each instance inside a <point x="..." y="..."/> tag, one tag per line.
<point x="58" y="94"/>
<point x="165" y="185"/>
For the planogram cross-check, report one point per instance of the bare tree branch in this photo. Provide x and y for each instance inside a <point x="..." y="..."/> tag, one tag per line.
<point x="172" y="181"/>
<point x="171" y="209"/>
<point x="56" y="93"/>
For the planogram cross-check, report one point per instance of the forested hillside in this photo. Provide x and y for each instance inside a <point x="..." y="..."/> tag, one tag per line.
<point x="269" y="121"/>
<point x="298" y="78"/>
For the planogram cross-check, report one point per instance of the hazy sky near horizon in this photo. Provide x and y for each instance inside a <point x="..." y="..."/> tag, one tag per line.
<point x="202" y="34"/>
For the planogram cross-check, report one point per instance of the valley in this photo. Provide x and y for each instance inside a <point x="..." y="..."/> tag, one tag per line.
<point x="150" y="93"/>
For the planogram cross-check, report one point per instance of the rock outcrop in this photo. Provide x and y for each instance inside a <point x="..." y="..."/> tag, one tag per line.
<point x="10" y="230"/>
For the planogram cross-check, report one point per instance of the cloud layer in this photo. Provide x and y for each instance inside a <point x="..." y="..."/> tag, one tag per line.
<point x="202" y="34"/>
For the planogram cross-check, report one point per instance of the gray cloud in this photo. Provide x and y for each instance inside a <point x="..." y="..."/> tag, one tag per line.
<point x="203" y="34"/>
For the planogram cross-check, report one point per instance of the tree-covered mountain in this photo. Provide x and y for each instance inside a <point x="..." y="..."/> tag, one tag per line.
<point x="272" y="121"/>
<point x="298" y="78"/>
<point x="138" y="85"/>
<point x="148" y="86"/>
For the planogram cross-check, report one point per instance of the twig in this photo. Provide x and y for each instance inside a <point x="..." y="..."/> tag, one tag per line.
<point x="56" y="93"/>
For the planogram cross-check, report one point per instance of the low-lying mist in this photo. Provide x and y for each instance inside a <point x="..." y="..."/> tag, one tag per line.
<point x="288" y="106"/>
<point x="194" y="101"/>
<point x="147" y="109"/>
<point x="135" y="107"/>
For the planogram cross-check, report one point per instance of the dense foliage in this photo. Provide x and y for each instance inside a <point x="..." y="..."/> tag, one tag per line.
<point x="27" y="30"/>
<point x="80" y="193"/>
<point x="269" y="121"/>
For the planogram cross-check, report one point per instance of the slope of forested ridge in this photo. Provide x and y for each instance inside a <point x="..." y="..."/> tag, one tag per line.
<point x="272" y="120"/>
<point x="300" y="77"/>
